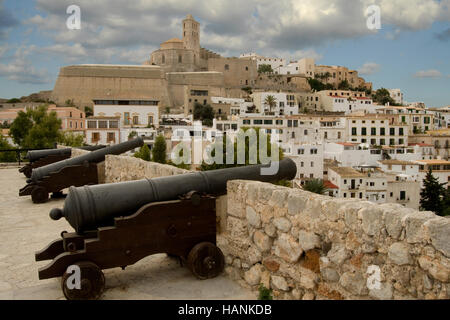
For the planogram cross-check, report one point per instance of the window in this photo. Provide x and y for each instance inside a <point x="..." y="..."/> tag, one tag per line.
<point x="227" y="67"/>
<point x="301" y="151"/>
<point x="400" y="131"/>
<point x="199" y="92"/>
<point x="302" y="164"/>
<point x="257" y="122"/>
<point x="313" y="151"/>
<point x="391" y="142"/>
<point x="103" y="124"/>
<point x="268" y="121"/>
<point x="312" y="164"/>
<point x="126" y="118"/>
<point x="92" y="124"/>
<point x="402" y="195"/>
<point x="373" y="131"/>
<point x="353" y="131"/>
<point x="246" y="121"/>
<point x="392" y="131"/>
<point x="363" y="131"/>
<point x="95" y="136"/>
<point x="135" y="120"/>
<point x="382" y="131"/>
<point x="150" y="120"/>
<point x="111" y="137"/>
<point x="163" y="59"/>
<point x="113" y="124"/>
<point x="180" y="59"/>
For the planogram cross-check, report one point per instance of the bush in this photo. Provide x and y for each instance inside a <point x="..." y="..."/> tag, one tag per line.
<point x="159" y="150"/>
<point x="264" y="293"/>
<point x="6" y="156"/>
<point x="143" y="153"/>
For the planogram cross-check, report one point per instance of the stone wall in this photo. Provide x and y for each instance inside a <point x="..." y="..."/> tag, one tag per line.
<point x="306" y="246"/>
<point x="124" y="168"/>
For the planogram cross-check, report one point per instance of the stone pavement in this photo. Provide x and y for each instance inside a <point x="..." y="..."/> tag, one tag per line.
<point x="26" y="228"/>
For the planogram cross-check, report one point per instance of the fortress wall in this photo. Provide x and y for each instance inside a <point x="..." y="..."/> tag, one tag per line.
<point x="84" y="83"/>
<point x="239" y="73"/>
<point x="196" y="78"/>
<point x="306" y="246"/>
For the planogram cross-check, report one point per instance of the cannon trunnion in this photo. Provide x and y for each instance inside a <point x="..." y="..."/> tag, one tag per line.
<point x="185" y="228"/>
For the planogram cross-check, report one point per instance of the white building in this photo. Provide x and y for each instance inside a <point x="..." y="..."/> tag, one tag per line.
<point x="273" y="62"/>
<point x="132" y="113"/>
<point x="440" y="169"/>
<point x="285" y="103"/>
<point x="102" y="130"/>
<point x="351" y="183"/>
<point x="308" y="158"/>
<point x="396" y="95"/>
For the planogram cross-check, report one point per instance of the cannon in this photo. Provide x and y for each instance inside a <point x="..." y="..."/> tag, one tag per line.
<point x="116" y="225"/>
<point x="40" y="158"/>
<point x="78" y="171"/>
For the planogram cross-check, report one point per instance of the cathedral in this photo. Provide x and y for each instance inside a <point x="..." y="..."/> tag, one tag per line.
<point x="176" y="55"/>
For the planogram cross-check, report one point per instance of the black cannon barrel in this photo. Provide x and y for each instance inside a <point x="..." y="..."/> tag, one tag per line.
<point x="89" y="207"/>
<point x="39" y="154"/>
<point x="92" y="157"/>
<point x="91" y="148"/>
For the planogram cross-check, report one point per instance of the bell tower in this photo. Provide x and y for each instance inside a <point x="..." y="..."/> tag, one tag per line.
<point x="191" y="34"/>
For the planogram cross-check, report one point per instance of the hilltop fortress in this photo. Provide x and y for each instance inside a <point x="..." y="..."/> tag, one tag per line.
<point x="181" y="73"/>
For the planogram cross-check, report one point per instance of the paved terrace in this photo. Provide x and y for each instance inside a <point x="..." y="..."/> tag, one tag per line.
<point x="26" y="228"/>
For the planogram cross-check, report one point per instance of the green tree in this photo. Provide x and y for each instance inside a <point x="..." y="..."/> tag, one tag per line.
<point x="6" y="156"/>
<point x="446" y="203"/>
<point x="143" y="153"/>
<point x="226" y="141"/>
<point x="69" y="103"/>
<point x="13" y="100"/>
<point x="89" y="111"/>
<point x="382" y="96"/>
<point x="270" y="101"/>
<point x="45" y="131"/>
<point x="265" y="68"/>
<point x="205" y="113"/>
<point x="159" y="150"/>
<point x="432" y="194"/>
<point x="315" y="186"/>
<point x="344" y="85"/>
<point x="71" y="139"/>
<point x="20" y="127"/>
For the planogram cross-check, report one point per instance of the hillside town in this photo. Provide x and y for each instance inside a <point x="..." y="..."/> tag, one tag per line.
<point x="363" y="143"/>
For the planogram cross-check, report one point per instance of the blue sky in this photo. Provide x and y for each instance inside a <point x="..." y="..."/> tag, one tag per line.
<point x="410" y="52"/>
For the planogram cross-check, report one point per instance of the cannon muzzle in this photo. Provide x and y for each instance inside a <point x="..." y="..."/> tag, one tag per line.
<point x="90" y="207"/>
<point x="93" y="157"/>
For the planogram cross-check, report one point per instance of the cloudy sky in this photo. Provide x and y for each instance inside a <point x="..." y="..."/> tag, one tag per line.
<point x="411" y="51"/>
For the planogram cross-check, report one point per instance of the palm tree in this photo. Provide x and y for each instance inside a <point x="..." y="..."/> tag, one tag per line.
<point x="270" y="101"/>
<point x="315" y="186"/>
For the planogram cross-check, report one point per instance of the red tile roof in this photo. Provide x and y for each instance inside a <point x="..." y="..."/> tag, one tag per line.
<point x="330" y="185"/>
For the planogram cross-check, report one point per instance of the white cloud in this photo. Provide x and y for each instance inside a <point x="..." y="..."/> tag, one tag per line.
<point x="21" y="69"/>
<point x="432" y="73"/>
<point x="369" y="68"/>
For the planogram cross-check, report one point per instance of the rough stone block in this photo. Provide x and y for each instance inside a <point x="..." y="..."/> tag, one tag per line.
<point x="372" y="220"/>
<point x="384" y="293"/>
<point x="279" y="283"/>
<point x="282" y="224"/>
<point x="308" y="240"/>
<point x="414" y="225"/>
<point x="262" y="241"/>
<point x="438" y="231"/>
<point x="338" y="254"/>
<point x="287" y="248"/>
<point x="253" y="276"/>
<point x="398" y="253"/>
<point x="253" y="218"/>
<point x="354" y="283"/>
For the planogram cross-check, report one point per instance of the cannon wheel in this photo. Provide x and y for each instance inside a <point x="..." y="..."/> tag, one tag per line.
<point x="39" y="195"/>
<point x="206" y="260"/>
<point x="92" y="282"/>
